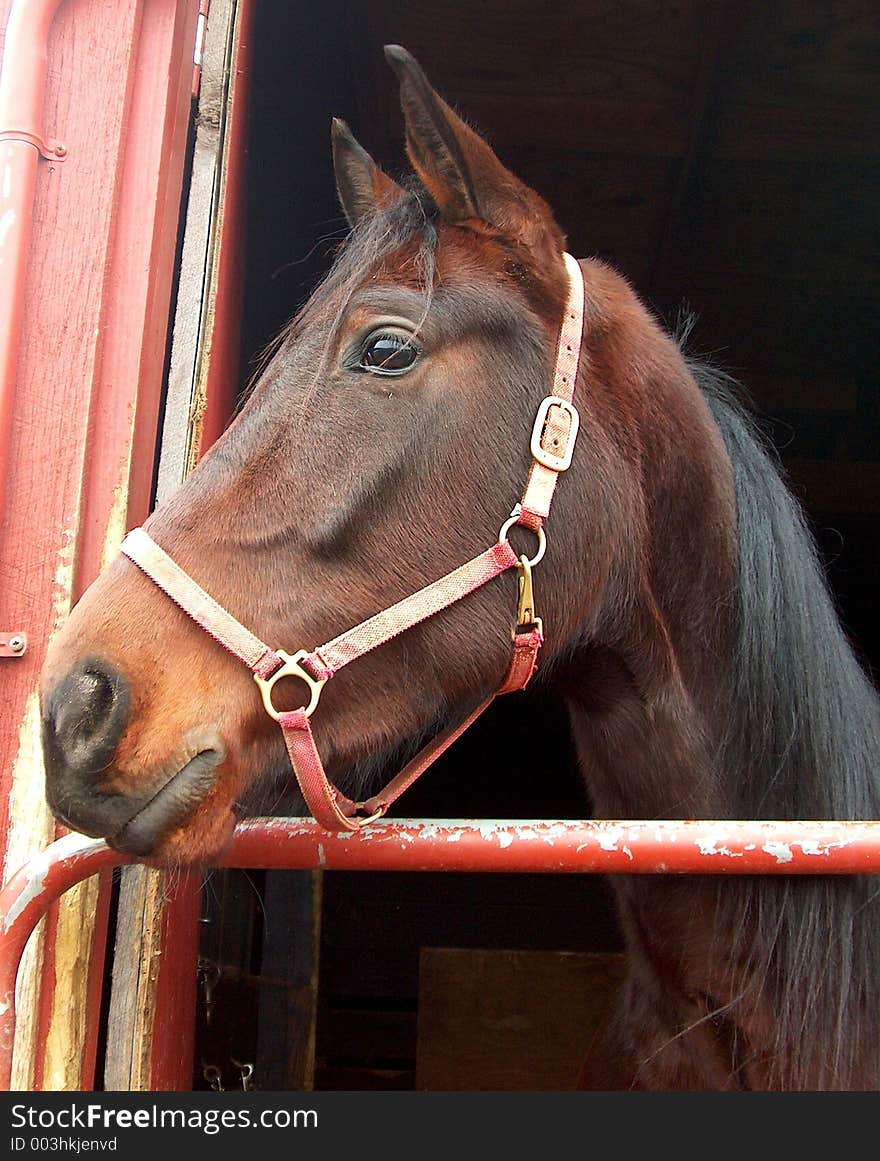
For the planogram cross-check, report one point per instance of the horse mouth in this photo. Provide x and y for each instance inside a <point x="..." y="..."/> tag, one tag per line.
<point x="170" y="805"/>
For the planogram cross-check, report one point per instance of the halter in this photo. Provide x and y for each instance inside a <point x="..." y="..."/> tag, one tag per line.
<point x="552" y="443"/>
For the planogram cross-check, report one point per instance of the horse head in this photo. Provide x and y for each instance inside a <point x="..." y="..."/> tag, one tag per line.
<point x="383" y="445"/>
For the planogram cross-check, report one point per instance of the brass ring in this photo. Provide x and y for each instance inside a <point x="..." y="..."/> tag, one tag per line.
<point x="292" y="667"/>
<point x="539" y="532"/>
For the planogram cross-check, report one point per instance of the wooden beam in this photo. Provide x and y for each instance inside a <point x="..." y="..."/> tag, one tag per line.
<point x="153" y="992"/>
<point x="509" y="1020"/>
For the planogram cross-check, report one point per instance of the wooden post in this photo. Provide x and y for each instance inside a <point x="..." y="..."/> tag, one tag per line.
<point x="153" y="992"/>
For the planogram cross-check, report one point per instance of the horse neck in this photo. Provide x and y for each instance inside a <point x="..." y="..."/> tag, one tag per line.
<point x="646" y="683"/>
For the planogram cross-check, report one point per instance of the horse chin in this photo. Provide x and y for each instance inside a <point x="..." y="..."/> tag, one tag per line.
<point x="162" y="829"/>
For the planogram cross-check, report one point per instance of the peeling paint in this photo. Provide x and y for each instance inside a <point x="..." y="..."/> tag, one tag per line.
<point x="608" y="840"/>
<point x="781" y="852"/>
<point x="817" y="848"/>
<point x="710" y="847"/>
<point x="63" y="580"/>
<point x="31" y="827"/>
<point x="37" y="870"/>
<point x="715" y="845"/>
<point x="116" y="520"/>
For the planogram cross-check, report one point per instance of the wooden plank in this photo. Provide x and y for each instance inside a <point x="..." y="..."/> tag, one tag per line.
<point x="153" y="989"/>
<point x="629" y="70"/>
<point x="509" y="1020"/>
<point x="803" y="220"/>
<point x="802" y="78"/>
<point x="288" y="1003"/>
<point x="186" y="397"/>
<point x="137" y="886"/>
<point x="706" y="83"/>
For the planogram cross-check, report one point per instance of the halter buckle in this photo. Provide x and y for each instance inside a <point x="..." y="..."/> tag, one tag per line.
<point x="557" y="458"/>
<point x="292" y="667"/>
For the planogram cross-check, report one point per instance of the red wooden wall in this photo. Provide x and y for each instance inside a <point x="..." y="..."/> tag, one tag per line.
<point x="79" y="466"/>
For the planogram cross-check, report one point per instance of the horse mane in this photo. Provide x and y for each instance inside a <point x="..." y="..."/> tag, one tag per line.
<point x="802" y="742"/>
<point x="805" y="718"/>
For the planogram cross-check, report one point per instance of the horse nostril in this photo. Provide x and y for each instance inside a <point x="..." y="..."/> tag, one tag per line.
<point x="84" y="717"/>
<point x="100" y="691"/>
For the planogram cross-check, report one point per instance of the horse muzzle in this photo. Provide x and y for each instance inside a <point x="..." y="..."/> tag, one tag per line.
<point x="84" y="717"/>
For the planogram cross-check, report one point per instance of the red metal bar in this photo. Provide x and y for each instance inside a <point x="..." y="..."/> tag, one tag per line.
<point x="630" y="847"/>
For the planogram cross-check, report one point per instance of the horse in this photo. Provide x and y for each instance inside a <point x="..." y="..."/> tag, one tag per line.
<point x="686" y="623"/>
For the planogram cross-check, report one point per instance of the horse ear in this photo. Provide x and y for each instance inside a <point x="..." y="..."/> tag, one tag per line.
<point x="361" y="185"/>
<point x="460" y="170"/>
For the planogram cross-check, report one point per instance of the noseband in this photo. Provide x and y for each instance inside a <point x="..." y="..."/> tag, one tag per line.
<point x="552" y="444"/>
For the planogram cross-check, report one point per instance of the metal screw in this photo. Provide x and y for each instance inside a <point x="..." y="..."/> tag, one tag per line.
<point x="60" y="150"/>
<point x="16" y="644"/>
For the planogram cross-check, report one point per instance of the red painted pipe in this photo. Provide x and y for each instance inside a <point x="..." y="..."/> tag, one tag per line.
<point x="22" y="89"/>
<point x="630" y="847"/>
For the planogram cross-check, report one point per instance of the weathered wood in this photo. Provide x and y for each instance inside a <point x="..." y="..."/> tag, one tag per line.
<point x="509" y="1020"/>
<point x="192" y="333"/>
<point x="156" y="922"/>
<point x="629" y="69"/>
<point x="288" y="1005"/>
<point x="139" y="910"/>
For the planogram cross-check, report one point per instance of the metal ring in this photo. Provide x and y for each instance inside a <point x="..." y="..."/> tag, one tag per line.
<point x="291" y="668"/>
<point x="539" y="532"/>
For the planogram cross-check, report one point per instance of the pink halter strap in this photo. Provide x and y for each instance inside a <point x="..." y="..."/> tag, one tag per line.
<point x="552" y="443"/>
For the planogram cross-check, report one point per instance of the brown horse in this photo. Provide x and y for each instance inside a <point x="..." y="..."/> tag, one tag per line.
<point x="688" y="629"/>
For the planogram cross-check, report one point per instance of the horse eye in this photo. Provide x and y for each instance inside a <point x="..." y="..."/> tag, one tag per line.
<point x="388" y="353"/>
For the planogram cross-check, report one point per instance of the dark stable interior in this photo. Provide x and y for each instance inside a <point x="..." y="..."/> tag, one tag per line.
<point x="725" y="157"/>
